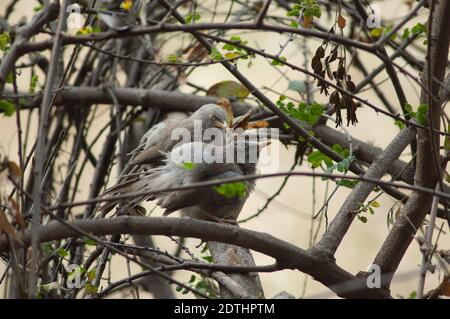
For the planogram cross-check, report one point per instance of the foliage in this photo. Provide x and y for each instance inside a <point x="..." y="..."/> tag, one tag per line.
<point x="230" y="190"/>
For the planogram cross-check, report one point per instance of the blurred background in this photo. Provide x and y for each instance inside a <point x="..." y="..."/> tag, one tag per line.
<point x="289" y="216"/>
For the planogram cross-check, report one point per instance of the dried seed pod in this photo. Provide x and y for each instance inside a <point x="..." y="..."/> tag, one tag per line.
<point x="320" y="52"/>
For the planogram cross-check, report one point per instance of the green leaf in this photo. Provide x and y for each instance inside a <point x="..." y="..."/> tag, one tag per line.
<point x="422" y="114"/>
<point x="90" y="242"/>
<point x="228" y="89"/>
<point x="47" y="248"/>
<point x="317" y="157"/>
<point x="192" y="279"/>
<point x="316" y="11"/>
<point x="377" y="32"/>
<point x="375" y="204"/>
<point x="279" y="63"/>
<point x="400" y="124"/>
<point x="388" y="29"/>
<point x="185" y="291"/>
<point x="38" y="8"/>
<point x="33" y="83"/>
<point x="90" y="289"/>
<point x="363" y="219"/>
<point x="347" y="183"/>
<point x="7" y="107"/>
<point x="208" y="258"/>
<point x="232" y="55"/>
<point x="178" y="288"/>
<point x="423" y="108"/>
<point x="62" y="252"/>
<point x="10" y="78"/>
<point x="172" y="58"/>
<point x="447" y="140"/>
<point x="340" y="150"/>
<point x="228" y="47"/>
<point x="307" y="113"/>
<point x="231" y="190"/>
<point x="4" y="41"/>
<point x="188" y="166"/>
<point x="405" y="35"/>
<point x="215" y="55"/>
<point x="205" y="249"/>
<point x="419" y="28"/>
<point x="190" y="18"/>
<point x="293" y="13"/>
<point x="408" y="108"/>
<point x="344" y="165"/>
<point x="294" y="24"/>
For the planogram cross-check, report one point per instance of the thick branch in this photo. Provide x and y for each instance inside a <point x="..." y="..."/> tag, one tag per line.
<point x="48" y="14"/>
<point x="427" y="169"/>
<point x="326" y="272"/>
<point x="159" y="99"/>
<point x="341" y="223"/>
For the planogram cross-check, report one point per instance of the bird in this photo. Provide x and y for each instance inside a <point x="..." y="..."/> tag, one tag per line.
<point x="160" y="140"/>
<point x="210" y="203"/>
<point x="209" y="162"/>
<point x="119" y="15"/>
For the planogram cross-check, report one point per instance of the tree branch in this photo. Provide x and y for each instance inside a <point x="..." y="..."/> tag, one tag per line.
<point x="286" y="254"/>
<point x="341" y="223"/>
<point x="36" y="25"/>
<point x="412" y="215"/>
<point x="153" y="98"/>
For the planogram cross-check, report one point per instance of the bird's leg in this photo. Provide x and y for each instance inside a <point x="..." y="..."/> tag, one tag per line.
<point x="216" y="219"/>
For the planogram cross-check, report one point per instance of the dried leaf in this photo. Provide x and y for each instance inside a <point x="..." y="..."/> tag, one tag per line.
<point x="14" y="171"/>
<point x="333" y="55"/>
<point x="6" y="227"/>
<point x="258" y="124"/>
<point x="340" y="72"/>
<point x="196" y="53"/>
<point x="334" y="97"/>
<point x="328" y="69"/>
<point x="18" y="218"/>
<point x="351" y="86"/>
<point x="320" y="52"/>
<point x="316" y="65"/>
<point x="445" y="288"/>
<point x="307" y="20"/>
<point x="341" y="21"/>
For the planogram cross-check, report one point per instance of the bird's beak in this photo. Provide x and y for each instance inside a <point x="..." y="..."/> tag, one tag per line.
<point x="263" y="144"/>
<point x="242" y="121"/>
<point x="220" y="125"/>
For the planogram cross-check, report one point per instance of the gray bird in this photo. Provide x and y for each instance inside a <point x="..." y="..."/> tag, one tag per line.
<point x="160" y="140"/>
<point x="210" y="162"/>
<point x="119" y="15"/>
<point x="208" y="116"/>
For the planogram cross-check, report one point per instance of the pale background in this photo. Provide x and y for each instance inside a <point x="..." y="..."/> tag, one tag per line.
<point x="289" y="216"/>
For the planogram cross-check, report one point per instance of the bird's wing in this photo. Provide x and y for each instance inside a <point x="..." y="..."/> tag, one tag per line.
<point x="177" y="200"/>
<point x="148" y="156"/>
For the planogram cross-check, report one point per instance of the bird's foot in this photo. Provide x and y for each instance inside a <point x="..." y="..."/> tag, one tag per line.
<point x="211" y="217"/>
<point x="229" y="221"/>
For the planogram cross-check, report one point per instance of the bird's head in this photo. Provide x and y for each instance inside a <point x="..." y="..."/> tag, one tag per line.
<point x="246" y="150"/>
<point x="211" y="115"/>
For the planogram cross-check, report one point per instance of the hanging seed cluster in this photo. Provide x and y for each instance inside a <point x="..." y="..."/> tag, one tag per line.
<point x="322" y="65"/>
